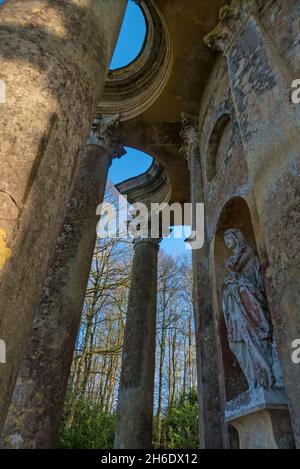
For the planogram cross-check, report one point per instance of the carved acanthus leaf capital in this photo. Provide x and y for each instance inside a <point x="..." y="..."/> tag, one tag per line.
<point x="232" y="18"/>
<point x="105" y="133"/>
<point x="189" y="135"/>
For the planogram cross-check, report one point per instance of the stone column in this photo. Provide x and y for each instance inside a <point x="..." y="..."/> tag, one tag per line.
<point x="54" y="58"/>
<point x="35" y="411"/>
<point x="261" y="84"/>
<point x="212" y="429"/>
<point x="136" y="393"/>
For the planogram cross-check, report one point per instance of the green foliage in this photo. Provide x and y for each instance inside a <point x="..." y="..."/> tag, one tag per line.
<point x="180" y="424"/>
<point x="91" y="429"/>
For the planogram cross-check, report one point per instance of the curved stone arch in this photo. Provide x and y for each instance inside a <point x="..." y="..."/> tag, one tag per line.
<point x="238" y="212"/>
<point x="152" y="186"/>
<point x="132" y="89"/>
<point x="234" y="214"/>
<point x="214" y="144"/>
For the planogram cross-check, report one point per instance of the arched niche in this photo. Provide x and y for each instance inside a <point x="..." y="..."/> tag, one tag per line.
<point x="217" y="144"/>
<point x="235" y="214"/>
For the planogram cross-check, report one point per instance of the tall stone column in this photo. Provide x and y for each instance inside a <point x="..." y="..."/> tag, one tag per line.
<point x="261" y="84"/>
<point x="211" y="421"/>
<point x="54" y="58"/>
<point x="136" y="393"/>
<point x="35" y="411"/>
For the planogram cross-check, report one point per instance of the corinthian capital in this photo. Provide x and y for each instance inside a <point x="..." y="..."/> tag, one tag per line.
<point x="105" y="133"/>
<point x="232" y="18"/>
<point x="189" y="135"/>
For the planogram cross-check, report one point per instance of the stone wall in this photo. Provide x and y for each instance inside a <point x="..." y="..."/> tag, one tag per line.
<point x="251" y="184"/>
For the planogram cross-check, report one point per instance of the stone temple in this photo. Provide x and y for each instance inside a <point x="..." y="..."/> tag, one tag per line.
<point x="213" y="98"/>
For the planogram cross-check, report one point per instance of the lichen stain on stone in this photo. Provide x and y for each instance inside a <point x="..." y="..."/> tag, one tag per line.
<point x="5" y="252"/>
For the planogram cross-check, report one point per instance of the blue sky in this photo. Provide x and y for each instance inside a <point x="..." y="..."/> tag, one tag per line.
<point x="130" y="42"/>
<point x="129" y="45"/>
<point x="131" y="37"/>
<point x="135" y="162"/>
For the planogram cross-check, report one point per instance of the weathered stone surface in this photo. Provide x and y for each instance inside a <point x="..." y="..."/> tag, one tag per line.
<point x="248" y="175"/>
<point x="35" y="411"/>
<point x="260" y="165"/>
<point x="262" y="419"/>
<point x="136" y="393"/>
<point x="261" y="87"/>
<point x="54" y="60"/>
<point x="211" y="423"/>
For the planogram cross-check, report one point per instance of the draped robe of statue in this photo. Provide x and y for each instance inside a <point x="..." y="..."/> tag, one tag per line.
<point x="246" y="314"/>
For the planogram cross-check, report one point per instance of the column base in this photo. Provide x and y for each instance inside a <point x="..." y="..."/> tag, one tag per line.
<point x="261" y="418"/>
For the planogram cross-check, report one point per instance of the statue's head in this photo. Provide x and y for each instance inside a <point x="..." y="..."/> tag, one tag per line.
<point x="234" y="237"/>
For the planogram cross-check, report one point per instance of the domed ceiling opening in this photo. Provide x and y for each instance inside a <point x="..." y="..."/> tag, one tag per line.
<point x="132" y="37"/>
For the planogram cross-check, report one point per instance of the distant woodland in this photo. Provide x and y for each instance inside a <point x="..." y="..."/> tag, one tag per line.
<point x="90" y="408"/>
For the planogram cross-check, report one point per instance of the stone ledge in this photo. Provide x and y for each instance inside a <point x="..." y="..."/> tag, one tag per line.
<point x="255" y="400"/>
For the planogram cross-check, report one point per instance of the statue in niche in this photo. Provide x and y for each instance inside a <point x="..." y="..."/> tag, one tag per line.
<point x="247" y="317"/>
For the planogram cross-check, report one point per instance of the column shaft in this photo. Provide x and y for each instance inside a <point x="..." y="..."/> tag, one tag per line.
<point x="35" y="411"/>
<point x="136" y="393"/>
<point x="54" y="58"/>
<point x="212" y="434"/>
